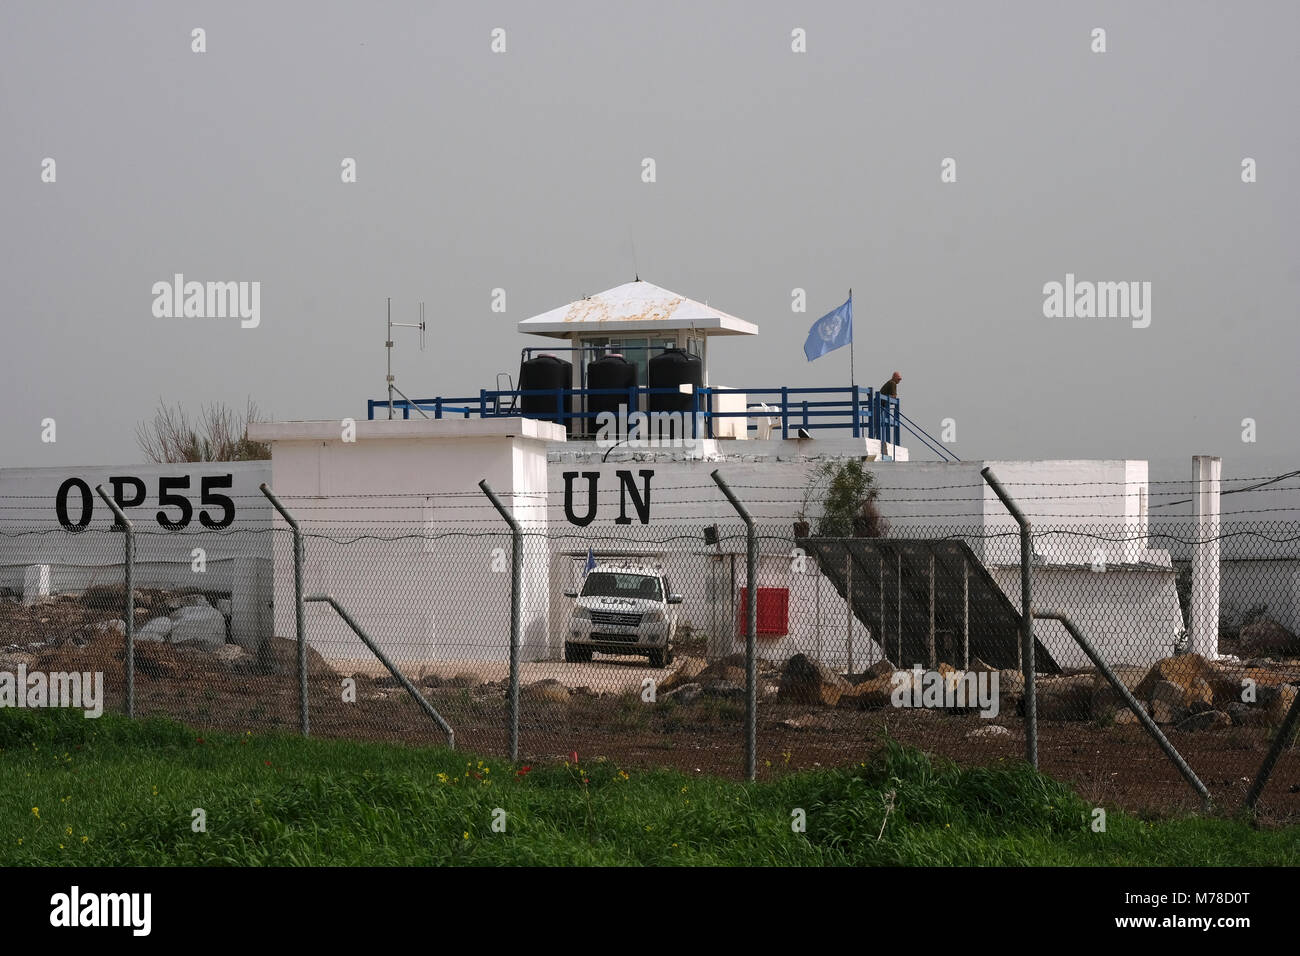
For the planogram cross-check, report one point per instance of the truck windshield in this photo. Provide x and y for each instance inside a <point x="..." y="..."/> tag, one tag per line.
<point x="613" y="584"/>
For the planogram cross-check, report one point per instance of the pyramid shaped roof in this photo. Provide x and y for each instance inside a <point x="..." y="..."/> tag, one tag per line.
<point x="635" y="306"/>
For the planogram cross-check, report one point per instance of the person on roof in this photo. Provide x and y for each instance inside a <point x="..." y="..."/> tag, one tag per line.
<point x="890" y="390"/>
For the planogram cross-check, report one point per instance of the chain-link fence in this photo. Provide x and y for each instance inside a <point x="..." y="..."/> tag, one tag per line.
<point x="631" y="640"/>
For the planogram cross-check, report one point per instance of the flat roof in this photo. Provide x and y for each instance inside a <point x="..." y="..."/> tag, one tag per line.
<point x="437" y="428"/>
<point x="631" y="307"/>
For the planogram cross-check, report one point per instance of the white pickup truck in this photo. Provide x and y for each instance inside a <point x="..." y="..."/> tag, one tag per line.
<point x="623" y="609"/>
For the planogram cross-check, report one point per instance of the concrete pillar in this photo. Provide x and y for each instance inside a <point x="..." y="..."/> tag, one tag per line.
<point x="1204" y="607"/>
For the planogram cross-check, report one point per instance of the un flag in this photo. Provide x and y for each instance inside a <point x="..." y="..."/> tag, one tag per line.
<point x="832" y="331"/>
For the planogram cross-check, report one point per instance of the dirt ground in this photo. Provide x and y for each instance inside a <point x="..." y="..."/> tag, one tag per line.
<point x="1118" y="766"/>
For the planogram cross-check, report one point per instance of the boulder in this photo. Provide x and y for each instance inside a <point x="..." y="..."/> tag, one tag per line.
<point x="1125" y="716"/>
<point x="1064" y="698"/>
<point x="1267" y="638"/>
<point x="869" y="695"/>
<point x="687" y="669"/>
<point x="805" y="681"/>
<point x="188" y="600"/>
<point x="549" y="691"/>
<point x="1183" y="670"/>
<point x="881" y="668"/>
<point x="1275" y="702"/>
<point x="1011" y="691"/>
<point x="202" y="624"/>
<point x="722" y="671"/>
<point x="116" y="627"/>
<point x="1106" y="703"/>
<point x="980" y="666"/>
<point x="1168" y="703"/>
<point x="157" y="629"/>
<point x="1205" y="720"/>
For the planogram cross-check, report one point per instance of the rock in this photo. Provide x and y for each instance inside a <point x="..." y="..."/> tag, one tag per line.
<point x="188" y="600"/>
<point x="157" y="629"/>
<point x="869" y="695"/>
<point x="723" y="689"/>
<point x="116" y="627"/>
<point x="201" y="624"/>
<point x="1275" y="702"/>
<point x="992" y="730"/>
<point x="1105" y="701"/>
<point x="1125" y="716"/>
<point x="1064" y="698"/>
<point x="1011" y="691"/>
<point x="881" y="668"/>
<point x="1267" y="638"/>
<point x="279" y="655"/>
<point x="1182" y="670"/>
<point x="687" y="669"/>
<point x="464" y="679"/>
<point x="1238" y="712"/>
<point x="1205" y="720"/>
<point x="685" y="694"/>
<point x="805" y="681"/>
<point x="807" y="722"/>
<point x="550" y="690"/>
<point x="720" y="671"/>
<point x="1168" y="704"/>
<point x="980" y="667"/>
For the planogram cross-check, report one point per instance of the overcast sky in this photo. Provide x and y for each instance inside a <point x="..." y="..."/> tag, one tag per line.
<point x="775" y="170"/>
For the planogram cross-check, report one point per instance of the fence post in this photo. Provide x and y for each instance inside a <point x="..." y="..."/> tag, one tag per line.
<point x="298" y="607"/>
<point x="1027" y="662"/>
<point x="128" y="574"/>
<point x="751" y="629"/>
<point x="1274" y="751"/>
<point x="516" y="569"/>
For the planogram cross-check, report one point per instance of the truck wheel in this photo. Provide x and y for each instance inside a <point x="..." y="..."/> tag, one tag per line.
<point x="657" y="657"/>
<point x="571" y="653"/>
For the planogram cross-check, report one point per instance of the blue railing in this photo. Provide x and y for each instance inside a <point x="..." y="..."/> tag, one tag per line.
<point x="855" y="409"/>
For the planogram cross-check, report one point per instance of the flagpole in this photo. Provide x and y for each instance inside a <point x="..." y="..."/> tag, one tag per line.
<point x="852" y="375"/>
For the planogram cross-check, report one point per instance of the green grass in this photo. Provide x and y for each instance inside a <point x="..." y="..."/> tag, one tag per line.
<point x="118" y="792"/>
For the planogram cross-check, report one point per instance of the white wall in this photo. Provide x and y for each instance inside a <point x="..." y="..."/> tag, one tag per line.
<point x="238" y="557"/>
<point x="398" y="532"/>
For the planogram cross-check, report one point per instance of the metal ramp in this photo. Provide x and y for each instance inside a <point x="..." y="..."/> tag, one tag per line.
<point x="926" y="600"/>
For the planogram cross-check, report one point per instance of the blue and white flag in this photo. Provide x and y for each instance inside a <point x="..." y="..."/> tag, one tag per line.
<point x="832" y="331"/>
<point x="591" y="563"/>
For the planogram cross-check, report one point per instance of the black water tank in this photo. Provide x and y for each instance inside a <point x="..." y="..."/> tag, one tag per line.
<point x="670" y="369"/>
<point x="611" y="371"/>
<point x="545" y="373"/>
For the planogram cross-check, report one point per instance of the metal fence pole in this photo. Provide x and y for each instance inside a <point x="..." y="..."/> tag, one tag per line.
<point x="391" y="667"/>
<point x="129" y="582"/>
<point x="1026" y="617"/>
<point x="751" y="630"/>
<point x="1138" y="710"/>
<point x="516" y="569"/>
<point x="299" y="609"/>
<point x="1270" y="759"/>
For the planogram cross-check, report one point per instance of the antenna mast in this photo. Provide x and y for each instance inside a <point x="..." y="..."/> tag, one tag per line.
<point x="388" y="345"/>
